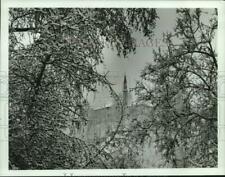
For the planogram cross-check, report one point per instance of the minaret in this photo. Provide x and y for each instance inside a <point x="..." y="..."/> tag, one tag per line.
<point x="125" y="91"/>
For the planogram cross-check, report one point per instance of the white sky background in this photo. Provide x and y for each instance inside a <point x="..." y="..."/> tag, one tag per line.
<point x="134" y="63"/>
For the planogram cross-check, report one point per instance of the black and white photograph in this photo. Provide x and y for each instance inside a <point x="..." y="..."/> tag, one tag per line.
<point x="112" y="88"/>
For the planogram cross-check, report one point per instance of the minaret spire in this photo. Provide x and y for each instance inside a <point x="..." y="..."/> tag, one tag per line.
<point x="125" y="91"/>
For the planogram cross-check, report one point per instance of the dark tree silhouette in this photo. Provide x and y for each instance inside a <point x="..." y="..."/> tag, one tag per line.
<point x="53" y="54"/>
<point x="181" y="86"/>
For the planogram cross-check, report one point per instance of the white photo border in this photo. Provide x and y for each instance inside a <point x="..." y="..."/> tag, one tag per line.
<point x="6" y="4"/>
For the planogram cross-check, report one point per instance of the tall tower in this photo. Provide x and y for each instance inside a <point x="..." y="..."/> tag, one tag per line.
<point x="125" y="91"/>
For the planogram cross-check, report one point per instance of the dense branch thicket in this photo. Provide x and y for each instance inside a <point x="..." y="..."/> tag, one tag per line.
<point x="53" y="54"/>
<point x="181" y="86"/>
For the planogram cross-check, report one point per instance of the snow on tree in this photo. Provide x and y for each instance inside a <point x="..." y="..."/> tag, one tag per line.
<point x="183" y="91"/>
<point x="53" y="54"/>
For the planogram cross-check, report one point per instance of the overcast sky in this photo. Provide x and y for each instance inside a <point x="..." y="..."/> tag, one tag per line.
<point x="134" y="63"/>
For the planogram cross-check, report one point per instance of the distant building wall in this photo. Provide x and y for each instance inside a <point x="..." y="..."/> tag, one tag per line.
<point x="106" y="119"/>
<point x="101" y="121"/>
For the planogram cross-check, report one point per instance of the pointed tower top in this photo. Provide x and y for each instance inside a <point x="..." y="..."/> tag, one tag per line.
<point x="125" y="91"/>
<point x="125" y="83"/>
